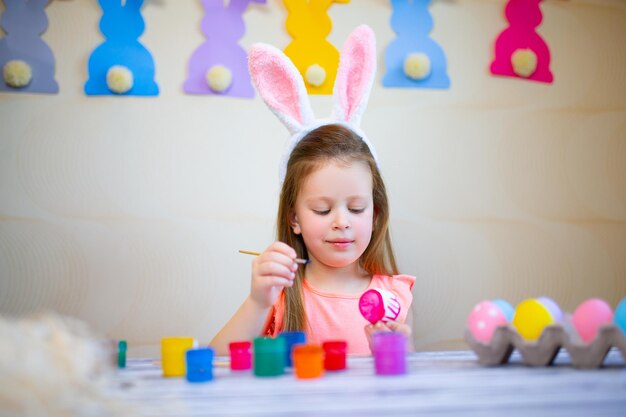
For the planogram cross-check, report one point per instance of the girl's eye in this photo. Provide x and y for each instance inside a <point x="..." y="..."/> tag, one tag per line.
<point x="321" y="212"/>
<point x="357" y="211"/>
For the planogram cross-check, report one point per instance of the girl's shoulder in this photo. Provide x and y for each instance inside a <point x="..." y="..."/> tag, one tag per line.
<point x="391" y="282"/>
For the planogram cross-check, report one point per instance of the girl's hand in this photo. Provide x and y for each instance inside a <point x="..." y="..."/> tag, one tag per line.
<point x="272" y="270"/>
<point x="390" y="326"/>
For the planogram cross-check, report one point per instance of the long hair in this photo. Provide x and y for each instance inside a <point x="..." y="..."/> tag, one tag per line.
<point x="326" y="144"/>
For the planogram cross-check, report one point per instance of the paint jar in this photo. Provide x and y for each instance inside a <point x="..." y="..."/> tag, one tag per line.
<point x="122" y="346"/>
<point x="291" y="339"/>
<point x="173" y="354"/>
<point x="199" y="364"/>
<point x="308" y="361"/>
<point x="389" y="353"/>
<point x="335" y="355"/>
<point x="269" y="356"/>
<point x="240" y="355"/>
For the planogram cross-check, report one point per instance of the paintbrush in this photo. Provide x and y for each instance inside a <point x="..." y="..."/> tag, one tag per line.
<point x="249" y="252"/>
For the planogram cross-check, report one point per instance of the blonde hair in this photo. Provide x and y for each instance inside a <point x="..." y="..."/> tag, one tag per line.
<point x="328" y="143"/>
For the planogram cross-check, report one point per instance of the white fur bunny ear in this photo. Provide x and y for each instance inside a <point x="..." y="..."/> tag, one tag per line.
<point x="355" y="76"/>
<point x="280" y="85"/>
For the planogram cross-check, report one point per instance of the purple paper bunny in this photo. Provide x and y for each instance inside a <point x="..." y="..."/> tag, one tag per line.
<point x="24" y="21"/>
<point x="224" y="27"/>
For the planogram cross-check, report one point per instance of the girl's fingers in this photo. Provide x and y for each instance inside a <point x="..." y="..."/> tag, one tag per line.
<point x="390" y="326"/>
<point x="280" y="258"/>
<point x="279" y="282"/>
<point x="269" y="269"/>
<point x="283" y="248"/>
<point x="393" y="325"/>
<point x="381" y="327"/>
<point x="282" y="253"/>
<point x="399" y="327"/>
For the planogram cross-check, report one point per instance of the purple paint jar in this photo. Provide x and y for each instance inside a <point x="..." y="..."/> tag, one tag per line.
<point x="389" y="353"/>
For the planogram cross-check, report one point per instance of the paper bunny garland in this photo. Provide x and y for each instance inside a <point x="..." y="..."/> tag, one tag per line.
<point x="23" y="48"/>
<point x="282" y="88"/>
<point x="122" y="24"/>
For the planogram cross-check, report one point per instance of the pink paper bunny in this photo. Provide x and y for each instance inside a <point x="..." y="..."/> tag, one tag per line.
<point x="524" y="17"/>
<point x="281" y="87"/>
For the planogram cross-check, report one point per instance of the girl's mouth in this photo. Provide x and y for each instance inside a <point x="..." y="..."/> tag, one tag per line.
<point x="340" y="243"/>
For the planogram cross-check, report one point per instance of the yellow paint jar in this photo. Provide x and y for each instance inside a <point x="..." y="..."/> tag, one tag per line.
<point x="173" y="355"/>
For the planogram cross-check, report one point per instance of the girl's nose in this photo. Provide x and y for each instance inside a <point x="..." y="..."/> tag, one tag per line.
<point x="341" y="221"/>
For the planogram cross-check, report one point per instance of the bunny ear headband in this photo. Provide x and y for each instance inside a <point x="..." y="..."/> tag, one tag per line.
<point x="282" y="88"/>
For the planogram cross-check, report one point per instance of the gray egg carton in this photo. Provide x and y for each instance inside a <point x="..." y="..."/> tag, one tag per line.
<point x="543" y="351"/>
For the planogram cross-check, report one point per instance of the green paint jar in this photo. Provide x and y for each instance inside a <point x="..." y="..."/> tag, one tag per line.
<point x="269" y="356"/>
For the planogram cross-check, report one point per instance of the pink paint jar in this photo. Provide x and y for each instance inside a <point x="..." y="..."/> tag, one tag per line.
<point x="240" y="356"/>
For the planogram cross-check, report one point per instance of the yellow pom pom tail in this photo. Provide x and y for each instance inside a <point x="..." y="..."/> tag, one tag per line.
<point x="417" y="66"/>
<point x="119" y="79"/>
<point x="315" y="75"/>
<point x="17" y="73"/>
<point x="219" y="78"/>
<point x="524" y="62"/>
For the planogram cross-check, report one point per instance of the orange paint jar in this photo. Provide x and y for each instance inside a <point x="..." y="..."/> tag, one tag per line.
<point x="308" y="361"/>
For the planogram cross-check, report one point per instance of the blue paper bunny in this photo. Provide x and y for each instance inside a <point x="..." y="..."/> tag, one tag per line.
<point x="24" y="21"/>
<point x="412" y="22"/>
<point x="122" y="25"/>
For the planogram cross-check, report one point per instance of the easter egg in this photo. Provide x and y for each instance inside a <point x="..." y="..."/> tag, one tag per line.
<point x="620" y="316"/>
<point x="552" y="307"/>
<point x="377" y="304"/>
<point x="505" y="307"/>
<point x="531" y="317"/>
<point x="589" y="316"/>
<point x="484" y="319"/>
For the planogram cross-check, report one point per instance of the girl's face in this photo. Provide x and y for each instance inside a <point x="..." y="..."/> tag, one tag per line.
<point x="334" y="213"/>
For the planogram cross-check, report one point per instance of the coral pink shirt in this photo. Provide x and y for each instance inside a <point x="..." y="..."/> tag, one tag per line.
<point x="334" y="316"/>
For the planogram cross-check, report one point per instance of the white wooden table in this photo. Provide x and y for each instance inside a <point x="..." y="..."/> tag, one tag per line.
<point x="437" y="384"/>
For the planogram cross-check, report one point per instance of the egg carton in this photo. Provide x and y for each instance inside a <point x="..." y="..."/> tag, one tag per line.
<point x="543" y="351"/>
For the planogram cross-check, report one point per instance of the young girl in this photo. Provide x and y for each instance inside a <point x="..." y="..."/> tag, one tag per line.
<point x="333" y="211"/>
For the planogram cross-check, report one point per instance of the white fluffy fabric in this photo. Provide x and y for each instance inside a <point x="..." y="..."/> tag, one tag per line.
<point x="55" y="366"/>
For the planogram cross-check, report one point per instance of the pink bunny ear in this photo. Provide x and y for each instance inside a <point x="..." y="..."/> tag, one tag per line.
<point x="355" y="76"/>
<point x="280" y="85"/>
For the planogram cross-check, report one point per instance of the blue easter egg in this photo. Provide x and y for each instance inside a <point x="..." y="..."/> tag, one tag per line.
<point x="506" y="308"/>
<point x="620" y="316"/>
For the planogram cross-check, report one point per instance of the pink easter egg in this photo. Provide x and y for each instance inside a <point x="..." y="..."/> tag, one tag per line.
<point x="589" y="316"/>
<point x="379" y="305"/>
<point x="484" y="319"/>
